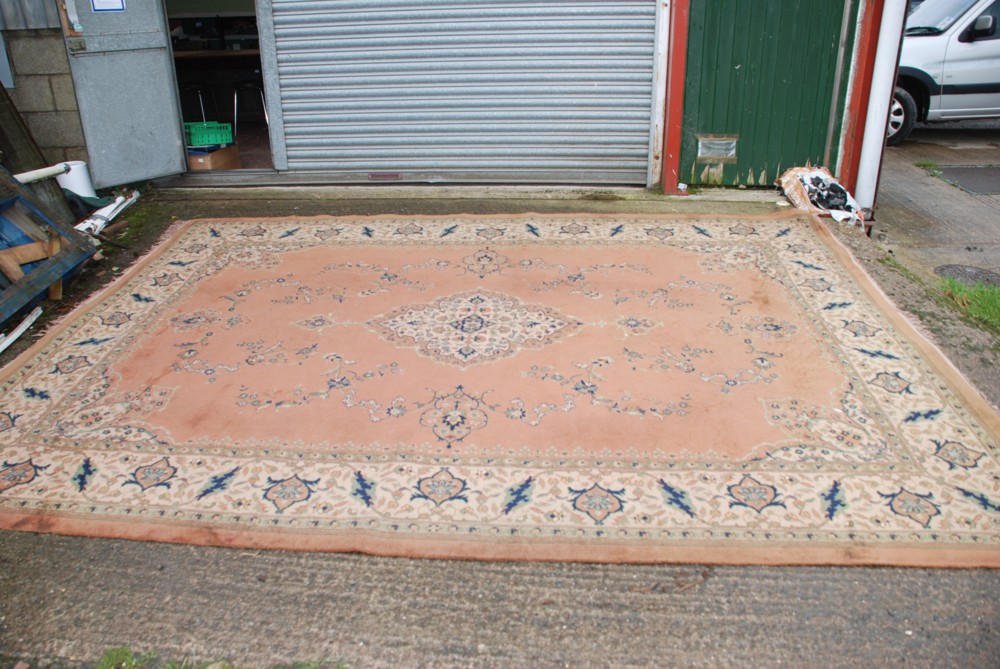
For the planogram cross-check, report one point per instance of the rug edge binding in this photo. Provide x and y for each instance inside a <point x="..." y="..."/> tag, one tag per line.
<point x="524" y="550"/>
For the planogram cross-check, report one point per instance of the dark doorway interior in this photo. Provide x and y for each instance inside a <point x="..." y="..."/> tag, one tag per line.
<point x="217" y="55"/>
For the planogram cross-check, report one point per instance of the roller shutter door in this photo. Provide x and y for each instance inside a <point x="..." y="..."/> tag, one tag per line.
<point x="518" y="91"/>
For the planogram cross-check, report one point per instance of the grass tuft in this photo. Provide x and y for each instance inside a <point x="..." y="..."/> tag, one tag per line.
<point x="124" y="658"/>
<point x="979" y="301"/>
<point x="932" y="168"/>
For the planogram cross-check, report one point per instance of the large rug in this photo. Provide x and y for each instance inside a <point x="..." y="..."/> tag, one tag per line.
<point x="633" y="389"/>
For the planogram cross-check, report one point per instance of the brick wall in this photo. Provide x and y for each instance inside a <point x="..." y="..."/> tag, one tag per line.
<point x="44" y="94"/>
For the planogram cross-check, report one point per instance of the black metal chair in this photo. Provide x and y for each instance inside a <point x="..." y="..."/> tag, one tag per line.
<point x="254" y="87"/>
<point x="198" y="91"/>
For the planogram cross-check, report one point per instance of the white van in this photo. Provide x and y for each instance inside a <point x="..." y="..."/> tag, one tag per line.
<point x="949" y="66"/>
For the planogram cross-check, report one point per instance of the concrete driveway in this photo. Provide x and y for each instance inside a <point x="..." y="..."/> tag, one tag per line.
<point x="930" y="223"/>
<point x="933" y="228"/>
<point x="64" y="600"/>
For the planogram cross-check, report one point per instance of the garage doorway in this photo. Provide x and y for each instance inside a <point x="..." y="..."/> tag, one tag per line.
<point x="216" y="52"/>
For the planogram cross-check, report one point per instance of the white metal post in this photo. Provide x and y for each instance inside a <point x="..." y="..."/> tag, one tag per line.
<point x="883" y="83"/>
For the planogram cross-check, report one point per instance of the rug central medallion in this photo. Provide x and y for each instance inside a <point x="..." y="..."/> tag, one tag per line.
<point x="474" y="327"/>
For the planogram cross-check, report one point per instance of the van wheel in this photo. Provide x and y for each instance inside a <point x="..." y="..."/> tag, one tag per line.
<point x="902" y="116"/>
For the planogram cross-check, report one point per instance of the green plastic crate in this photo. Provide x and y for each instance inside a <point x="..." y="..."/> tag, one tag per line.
<point x="208" y="133"/>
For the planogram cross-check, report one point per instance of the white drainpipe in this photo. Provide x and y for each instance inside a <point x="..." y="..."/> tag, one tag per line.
<point x="883" y="83"/>
<point x="42" y="173"/>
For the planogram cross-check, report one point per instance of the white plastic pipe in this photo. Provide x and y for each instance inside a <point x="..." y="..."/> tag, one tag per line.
<point x="42" y="173"/>
<point x="883" y="82"/>
<point x="100" y="219"/>
<point x="7" y="340"/>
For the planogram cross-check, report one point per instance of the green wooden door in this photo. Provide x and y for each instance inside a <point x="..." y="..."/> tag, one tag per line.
<point x="760" y="86"/>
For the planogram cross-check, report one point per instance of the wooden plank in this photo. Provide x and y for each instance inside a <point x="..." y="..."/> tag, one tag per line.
<point x="11" y="268"/>
<point x="26" y="253"/>
<point x="22" y="219"/>
<point x="56" y="289"/>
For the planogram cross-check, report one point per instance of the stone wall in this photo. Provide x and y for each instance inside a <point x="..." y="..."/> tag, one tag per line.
<point x="44" y="94"/>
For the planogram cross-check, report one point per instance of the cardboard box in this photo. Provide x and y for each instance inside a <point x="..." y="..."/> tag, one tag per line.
<point x="227" y="158"/>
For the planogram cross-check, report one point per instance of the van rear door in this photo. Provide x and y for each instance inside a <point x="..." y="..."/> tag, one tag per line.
<point x="971" y="84"/>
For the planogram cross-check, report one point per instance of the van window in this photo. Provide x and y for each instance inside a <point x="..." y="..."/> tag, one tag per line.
<point x="936" y="16"/>
<point x="994" y="11"/>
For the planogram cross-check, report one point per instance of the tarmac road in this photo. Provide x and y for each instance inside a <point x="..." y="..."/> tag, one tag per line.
<point x="69" y="599"/>
<point x="64" y="600"/>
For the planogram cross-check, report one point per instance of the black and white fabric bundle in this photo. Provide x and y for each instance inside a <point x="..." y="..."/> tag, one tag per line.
<point x="830" y="196"/>
<point x="815" y="188"/>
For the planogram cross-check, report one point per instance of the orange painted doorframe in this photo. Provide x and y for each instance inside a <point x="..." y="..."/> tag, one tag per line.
<point x="673" y="122"/>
